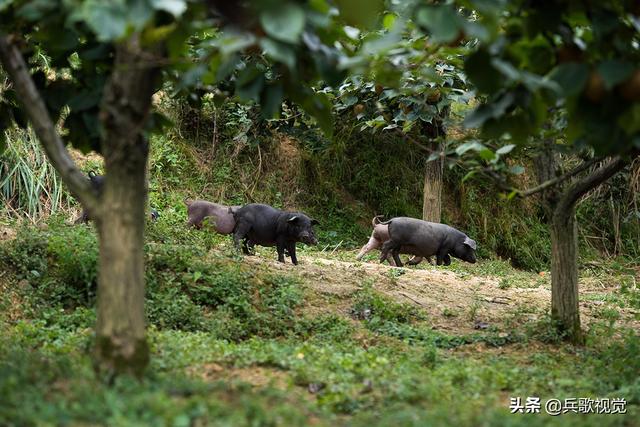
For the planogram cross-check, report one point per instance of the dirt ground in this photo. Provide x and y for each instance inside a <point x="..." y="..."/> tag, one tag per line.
<point x="455" y="303"/>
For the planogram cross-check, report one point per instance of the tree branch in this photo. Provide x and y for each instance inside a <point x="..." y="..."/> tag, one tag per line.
<point x="582" y="167"/>
<point x="13" y="62"/>
<point x="414" y="141"/>
<point x="502" y="184"/>
<point x="571" y="196"/>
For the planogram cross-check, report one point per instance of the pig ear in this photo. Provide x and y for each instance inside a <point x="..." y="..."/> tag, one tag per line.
<point x="469" y="242"/>
<point x="293" y="219"/>
<point x="315" y="222"/>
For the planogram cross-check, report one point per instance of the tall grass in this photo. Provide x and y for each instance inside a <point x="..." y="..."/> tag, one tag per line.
<point x="29" y="185"/>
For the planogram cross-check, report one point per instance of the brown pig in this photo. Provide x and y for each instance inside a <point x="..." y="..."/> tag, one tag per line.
<point x="220" y="216"/>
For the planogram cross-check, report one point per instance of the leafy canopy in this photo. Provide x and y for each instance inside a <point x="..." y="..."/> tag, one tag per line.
<point x="523" y="59"/>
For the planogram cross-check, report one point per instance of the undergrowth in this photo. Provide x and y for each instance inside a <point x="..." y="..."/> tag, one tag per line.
<point x="231" y="345"/>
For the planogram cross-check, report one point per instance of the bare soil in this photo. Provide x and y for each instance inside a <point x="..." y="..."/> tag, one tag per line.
<point x="455" y="303"/>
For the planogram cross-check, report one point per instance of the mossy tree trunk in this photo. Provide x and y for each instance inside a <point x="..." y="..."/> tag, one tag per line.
<point x="434" y="170"/>
<point x="432" y="189"/>
<point x="560" y="206"/>
<point x="564" y="273"/>
<point x="120" y="331"/>
<point x="118" y="210"/>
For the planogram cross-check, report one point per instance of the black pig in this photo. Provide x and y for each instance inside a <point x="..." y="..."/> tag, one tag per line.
<point x="97" y="182"/>
<point x="424" y="239"/>
<point x="267" y="226"/>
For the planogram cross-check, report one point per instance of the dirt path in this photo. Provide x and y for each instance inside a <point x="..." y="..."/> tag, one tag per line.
<point x="456" y="303"/>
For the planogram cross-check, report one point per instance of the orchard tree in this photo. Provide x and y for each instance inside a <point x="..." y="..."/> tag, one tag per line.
<point x="540" y="59"/>
<point x="406" y="92"/>
<point x="83" y="73"/>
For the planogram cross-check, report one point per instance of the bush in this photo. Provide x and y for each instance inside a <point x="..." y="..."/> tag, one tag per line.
<point x="60" y="263"/>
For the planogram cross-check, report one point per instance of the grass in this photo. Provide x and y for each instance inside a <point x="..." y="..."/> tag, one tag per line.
<point x="29" y="185"/>
<point x="236" y="342"/>
<point x="232" y="344"/>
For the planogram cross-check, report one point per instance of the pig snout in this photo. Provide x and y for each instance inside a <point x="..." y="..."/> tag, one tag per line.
<point x="308" y="238"/>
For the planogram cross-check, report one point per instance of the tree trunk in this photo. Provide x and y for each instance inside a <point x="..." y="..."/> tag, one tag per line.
<point x="120" y="331"/>
<point x="432" y="193"/>
<point x="564" y="273"/>
<point x="564" y="249"/>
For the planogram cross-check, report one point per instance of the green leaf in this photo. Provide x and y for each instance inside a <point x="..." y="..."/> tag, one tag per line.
<point x="469" y="175"/>
<point x="505" y="149"/>
<point x="284" y="23"/>
<point x="271" y="100"/>
<point x="482" y="73"/>
<point x="471" y="145"/>
<point x="485" y="112"/>
<point x="630" y="120"/>
<point x="107" y="19"/>
<point x="360" y="13"/>
<point x="4" y="4"/>
<point x="479" y="116"/>
<point x="442" y="22"/>
<point x="158" y="123"/>
<point x="433" y="156"/>
<point x="614" y="71"/>
<point x="319" y="107"/>
<point x="233" y="43"/>
<point x="174" y="7"/>
<point x="35" y="10"/>
<point x="377" y="44"/>
<point x="351" y="32"/>
<point x="571" y="77"/>
<point x="249" y="83"/>
<point x="85" y="99"/>
<point x="139" y="13"/>
<point x="223" y="69"/>
<point x="486" y="154"/>
<point x="388" y="21"/>
<point x="279" y="51"/>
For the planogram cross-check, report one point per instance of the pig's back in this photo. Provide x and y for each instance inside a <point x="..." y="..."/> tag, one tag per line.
<point x="263" y="220"/>
<point x="416" y="236"/>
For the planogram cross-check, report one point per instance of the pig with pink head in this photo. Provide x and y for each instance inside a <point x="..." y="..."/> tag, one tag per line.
<point x="419" y="238"/>
<point x="424" y="239"/>
<point x="379" y="236"/>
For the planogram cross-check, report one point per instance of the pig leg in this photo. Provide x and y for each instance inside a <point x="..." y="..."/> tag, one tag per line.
<point x="442" y="257"/>
<point x="245" y="247"/>
<point x="415" y="260"/>
<point x="396" y="257"/>
<point x="385" y="251"/>
<point x="390" y="260"/>
<point x="280" y="246"/>
<point x="242" y="229"/>
<point x="291" y="248"/>
<point x="251" y="246"/>
<point x="391" y="249"/>
<point x="372" y="244"/>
